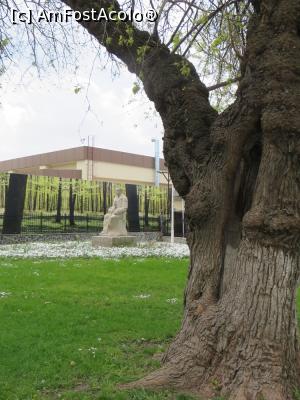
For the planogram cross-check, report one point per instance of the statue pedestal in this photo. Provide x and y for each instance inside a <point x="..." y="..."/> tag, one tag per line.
<point x="113" y="241"/>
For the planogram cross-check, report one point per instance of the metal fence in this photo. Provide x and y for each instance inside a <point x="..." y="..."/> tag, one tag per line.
<point x="49" y="223"/>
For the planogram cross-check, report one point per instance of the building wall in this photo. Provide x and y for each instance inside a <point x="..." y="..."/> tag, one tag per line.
<point x="98" y="170"/>
<point x="113" y="172"/>
<point x="89" y="163"/>
<point x="71" y="165"/>
<point x="51" y="158"/>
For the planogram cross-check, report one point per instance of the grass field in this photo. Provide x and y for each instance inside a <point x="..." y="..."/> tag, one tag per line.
<point x="74" y="329"/>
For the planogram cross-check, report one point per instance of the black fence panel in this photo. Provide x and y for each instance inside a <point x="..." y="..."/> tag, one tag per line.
<point x="46" y="223"/>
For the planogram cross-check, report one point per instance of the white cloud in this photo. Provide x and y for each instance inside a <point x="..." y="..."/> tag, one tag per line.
<point x="45" y="115"/>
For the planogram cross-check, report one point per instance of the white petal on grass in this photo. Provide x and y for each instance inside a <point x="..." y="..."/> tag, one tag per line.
<point x="93" y="350"/>
<point x="4" y="294"/>
<point x="142" y="296"/>
<point x="71" y="249"/>
<point x="7" y="265"/>
<point x="172" y="301"/>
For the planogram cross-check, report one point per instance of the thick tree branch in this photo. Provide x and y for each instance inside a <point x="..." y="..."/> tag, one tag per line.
<point x="171" y="82"/>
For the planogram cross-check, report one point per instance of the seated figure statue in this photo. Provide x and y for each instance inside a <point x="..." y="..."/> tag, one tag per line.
<point x="114" y="223"/>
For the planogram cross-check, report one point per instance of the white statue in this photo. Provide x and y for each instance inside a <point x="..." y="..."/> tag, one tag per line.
<point x="114" y="223"/>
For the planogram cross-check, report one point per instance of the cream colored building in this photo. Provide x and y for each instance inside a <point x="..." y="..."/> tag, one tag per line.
<point x="88" y="163"/>
<point x="92" y="163"/>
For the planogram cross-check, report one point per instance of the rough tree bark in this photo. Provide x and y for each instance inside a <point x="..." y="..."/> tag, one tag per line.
<point x="239" y="173"/>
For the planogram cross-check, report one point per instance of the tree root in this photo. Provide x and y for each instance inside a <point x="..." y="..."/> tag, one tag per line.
<point x="172" y="377"/>
<point x="246" y="392"/>
<point x="159" y="379"/>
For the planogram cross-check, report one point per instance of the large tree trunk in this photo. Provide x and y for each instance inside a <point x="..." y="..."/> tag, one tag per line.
<point x="245" y="344"/>
<point x="239" y="174"/>
<point x="14" y="204"/>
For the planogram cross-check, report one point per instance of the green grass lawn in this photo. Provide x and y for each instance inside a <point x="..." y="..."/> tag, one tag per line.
<point x="74" y="329"/>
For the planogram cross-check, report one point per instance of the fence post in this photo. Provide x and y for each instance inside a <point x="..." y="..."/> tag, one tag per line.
<point x="87" y="222"/>
<point x="41" y="222"/>
<point x="65" y="222"/>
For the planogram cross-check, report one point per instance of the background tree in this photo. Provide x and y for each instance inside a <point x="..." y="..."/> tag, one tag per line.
<point x="104" y="196"/>
<point x="72" y="200"/>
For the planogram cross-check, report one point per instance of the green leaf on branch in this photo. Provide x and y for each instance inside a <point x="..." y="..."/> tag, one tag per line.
<point x="136" y="88"/>
<point x="220" y="39"/>
<point x="176" y="40"/>
<point x="127" y="40"/>
<point x="184" y="68"/>
<point x="3" y="43"/>
<point x="77" y="89"/>
<point x="202" y="20"/>
<point x="141" y="52"/>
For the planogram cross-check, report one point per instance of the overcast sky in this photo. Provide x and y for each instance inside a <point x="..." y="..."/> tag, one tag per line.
<point x="40" y="115"/>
